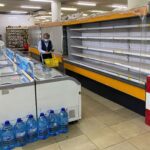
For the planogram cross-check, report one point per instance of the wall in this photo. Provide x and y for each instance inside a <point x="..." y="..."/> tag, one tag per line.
<point x="13" y="20"/>
<point x="136" y="3"/>
<point x="56" y="36"/>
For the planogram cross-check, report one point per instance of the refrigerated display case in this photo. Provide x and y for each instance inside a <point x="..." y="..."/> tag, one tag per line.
<point x="109" y="54"/>
<point x="56" y="90"/>
<point x="6" y="60"/>
<point x="15" y="103"/>
<point x="47" y="88"/>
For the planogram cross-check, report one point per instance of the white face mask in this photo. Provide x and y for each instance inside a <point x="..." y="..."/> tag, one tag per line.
<point x="46" y="40"/>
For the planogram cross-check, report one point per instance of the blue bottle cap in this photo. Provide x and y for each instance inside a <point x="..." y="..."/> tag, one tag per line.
<point x="42" y="114"/>
<point x="63" y="109"/>
<point x="19" y="120"/>
<point x="7" y="122"/>
<point x="52" y="111"/>
<point x="30" y="116"/>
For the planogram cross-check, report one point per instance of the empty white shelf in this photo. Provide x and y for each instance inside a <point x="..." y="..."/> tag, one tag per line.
<point x="112" y="38"/>
<point x="115" y="51"/>
<point x="130" y="65"/>
<point x="114" y="72"/>
<point x="111" y="27"/>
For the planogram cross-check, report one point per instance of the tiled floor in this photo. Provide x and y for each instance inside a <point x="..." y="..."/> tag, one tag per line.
<point x="104" y="126"/>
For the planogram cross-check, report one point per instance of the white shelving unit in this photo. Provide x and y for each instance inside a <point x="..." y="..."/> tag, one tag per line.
<point x="111" y="38"/>
<point x="110" y="71"/>
<point x="120" y="48"/>
<point x="112" y="27"/>
<point x="133" y="66"/>
<point x="116" y="51"/>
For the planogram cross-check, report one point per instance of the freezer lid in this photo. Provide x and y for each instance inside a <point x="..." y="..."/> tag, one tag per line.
<point x="8" y="70"/>
<point x="4" y="63"/>
<point x="3" y="57"/>
<point x="13" y="79"/>
<point x="44" y="73"/>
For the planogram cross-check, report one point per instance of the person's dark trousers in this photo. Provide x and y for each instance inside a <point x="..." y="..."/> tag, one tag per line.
<point x="45" y="56"/>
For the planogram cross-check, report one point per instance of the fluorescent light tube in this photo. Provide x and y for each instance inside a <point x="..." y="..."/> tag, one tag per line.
<point x="18" y="12"/>
<point x="85" y="15"/>
<point x="68" y="9"/>
<point x="98" y="11"/>
<point x="44" y="1"/>
<point x="47" y="20"/>
<point x="86" y="3"/>
<point x="2" y="5"/>
<point x="42" y="17"/>
<point x="118" y="6"/>
<point x="30" y="7"/>
<point x="51" y="13"/>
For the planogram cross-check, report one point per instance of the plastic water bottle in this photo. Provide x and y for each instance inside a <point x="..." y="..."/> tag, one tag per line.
<point x="0" y="139"/>
<point x="20" y="132"/>
<point x="63" y="121"/>
<point x="42" y="127"/>
<point x="32" y="133"/>
<point x="53" y="123"/>
<point x="8" y="136"/>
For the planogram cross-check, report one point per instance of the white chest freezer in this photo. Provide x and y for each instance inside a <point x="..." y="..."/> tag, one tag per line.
<point x="17" y="97"/>
<point x="55" y="90"/>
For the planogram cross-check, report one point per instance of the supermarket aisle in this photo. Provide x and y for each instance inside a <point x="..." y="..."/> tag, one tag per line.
<point x="105" y="125"/>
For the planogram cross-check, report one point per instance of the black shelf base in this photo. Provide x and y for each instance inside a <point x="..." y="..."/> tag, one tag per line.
<point x="116" y="96"/>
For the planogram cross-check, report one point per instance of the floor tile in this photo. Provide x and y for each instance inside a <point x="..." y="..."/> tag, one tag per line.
<point x="86" y="125"/>
<point x="111" y="105"/>
<point x="127" y="114"/>
<point x="41" y="144"/>
<point x="131" y="128"/>
<point x="109" y="118"/>
<point x="74" y="131"/>
<point x="140" y="122"/>
<point x="77" y="143"/>
<point x="104" y="137"/>
<point x="50" y="147"/>
<point x="142" y="142"/>
<point x="122" y="146"/>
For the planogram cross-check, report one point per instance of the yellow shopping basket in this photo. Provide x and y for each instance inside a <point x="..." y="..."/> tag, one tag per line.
<point x="52" y="62"/>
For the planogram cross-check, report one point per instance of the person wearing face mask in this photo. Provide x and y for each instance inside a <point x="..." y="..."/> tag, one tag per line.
<point x="45" y="47"/>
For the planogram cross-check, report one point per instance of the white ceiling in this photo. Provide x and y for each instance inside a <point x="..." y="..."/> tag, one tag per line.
<point x="101" y="5"/>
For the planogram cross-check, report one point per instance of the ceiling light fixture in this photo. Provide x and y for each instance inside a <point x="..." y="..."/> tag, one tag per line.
<point x="45" y="1"/>
<point x="98" y="11"/>
<point x="51" y="13"/>
<point x="47" y="20"/>
<point x="86" y="3"/>
<point x="69" y="9"/>
<point x="118" y="6"/>
<point x="30" y="7"/>
<point x="42" y="17"/>
<point x="18" y="12"/>
<point x="85" y="15"/>
<point x="2" y="5"/>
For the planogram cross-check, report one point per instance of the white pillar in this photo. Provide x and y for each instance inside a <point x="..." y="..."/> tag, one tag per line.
<point x="56" y="10"/>
<point x="136" y="3"/>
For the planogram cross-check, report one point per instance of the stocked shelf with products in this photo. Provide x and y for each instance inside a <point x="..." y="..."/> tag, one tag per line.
<point x="16" y="37"/>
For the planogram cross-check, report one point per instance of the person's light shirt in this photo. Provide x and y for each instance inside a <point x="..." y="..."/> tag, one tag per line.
<point x="2" y="44"/>
<point x="40" y="47"/>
